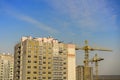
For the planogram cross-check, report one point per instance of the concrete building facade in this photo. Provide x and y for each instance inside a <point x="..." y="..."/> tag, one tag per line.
<point x="6" y="66"/>
<point x="44" y="59"/>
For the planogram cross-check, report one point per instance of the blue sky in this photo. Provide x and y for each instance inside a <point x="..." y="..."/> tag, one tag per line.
<point x="67" y="20"/>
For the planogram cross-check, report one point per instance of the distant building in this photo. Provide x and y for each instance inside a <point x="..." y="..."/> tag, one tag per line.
<point x="44" y="59"/>
<point x="108" y="77"/>
<point x="6" y="67"/>
<point x="80" y="73"/>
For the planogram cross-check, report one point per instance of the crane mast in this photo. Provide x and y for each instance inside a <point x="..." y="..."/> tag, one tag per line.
<point x="96" y="59"/>
<point x="86" y="61"/>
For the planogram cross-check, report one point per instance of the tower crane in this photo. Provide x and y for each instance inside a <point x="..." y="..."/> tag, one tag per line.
<point x="87" y="48"/>
<point x="96" y="59"/>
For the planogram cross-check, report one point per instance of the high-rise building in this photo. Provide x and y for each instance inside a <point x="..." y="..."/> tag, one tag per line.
<point x="6" y="66"/>
<point x="80" y="70"/>
<point x="44" y="59"/>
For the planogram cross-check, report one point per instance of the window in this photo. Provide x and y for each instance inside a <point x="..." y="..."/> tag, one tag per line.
<point x="35" y="61"/>
<point x="49" y="77"/>
<point x="28" y="77"/>
<point x="49" y="62"/>
<point x="44" y="72"/>
<point x="64" y="77"/>
<point x="64" y="63"/>
<point x="44" y="77"/>
<point x="35" y="72"/>
<point x="44" y="57"/>
<point x="29" y="61"/>
<point x="29" y="56"/>
<point x="64" y="67"/>
<point x="49" y="67"/>
<point x="49" y="72"/>
<point x="64" y="73"/>
<point x="44" y="62"/>
<point x="34" y="78"/>
<point x="35" y="67"/>
<point x="28" y="66"/>
<point x="28" y="72"/>
<point x="35" y="56"/>
<point x="44" y="67"/>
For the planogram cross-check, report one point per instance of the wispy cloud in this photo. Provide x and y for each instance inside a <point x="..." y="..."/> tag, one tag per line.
<point x="93" y="15"/>
<point x="36" y="23"/>
<point x="30" y="20"/>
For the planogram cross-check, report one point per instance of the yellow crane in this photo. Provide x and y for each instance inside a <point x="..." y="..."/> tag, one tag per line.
<point x="87" y="48"/>
<point x="96" y="59"/>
